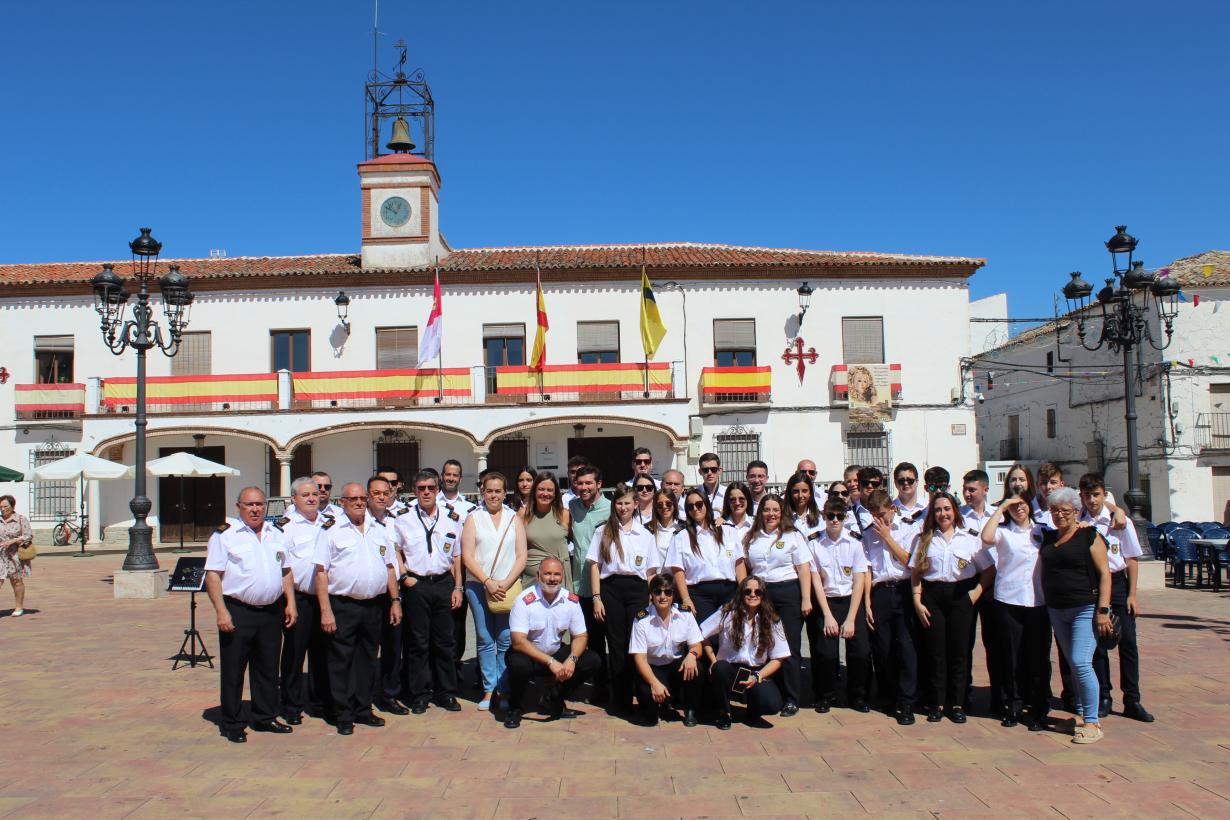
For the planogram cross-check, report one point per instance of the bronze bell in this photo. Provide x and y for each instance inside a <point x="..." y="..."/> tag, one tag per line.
<point x="401" y="137"/>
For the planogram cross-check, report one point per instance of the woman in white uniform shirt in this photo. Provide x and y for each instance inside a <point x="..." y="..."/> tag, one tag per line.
<point x="945" y="587"/>
<point x="643" y="490"/>
<point x="736" y="511"/>
<point x="665" y="523"/>
<point x="665" y="647"/>
<point x="839" y="573"/>
<point x="618" y="560"/>
<point x="751" y="648"/>
<point x="775" y="551"/>
<point x="1011" y="563"/>
<point x="702" y="559"/>
<point x="801" y="495"/>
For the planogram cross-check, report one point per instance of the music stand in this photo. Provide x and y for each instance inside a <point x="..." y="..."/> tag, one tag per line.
<point x="189" y="576"/>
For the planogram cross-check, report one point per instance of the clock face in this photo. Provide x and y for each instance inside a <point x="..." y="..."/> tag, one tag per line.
<point x="395" y="211"/>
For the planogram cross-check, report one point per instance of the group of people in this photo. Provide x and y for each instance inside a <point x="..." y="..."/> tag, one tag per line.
<point x="676" y="602"/>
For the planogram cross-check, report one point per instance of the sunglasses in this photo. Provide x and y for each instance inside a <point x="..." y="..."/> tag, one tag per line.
<point x="708" y="470"/>
<point x="811" y="473"/>
<point x="669" y="593"/>
<point x="665" y="505"/>
<point x="736" y="499"/>
<point x="937" y="488"/>
<point x="695" y="505"/>
<point x="425" y="488"/>
<point x="906" y="482"/>
<point x="642" y="461"/>
<point x="752" y="593"/>
<point x="872" y="484"/>
<point x="842" y="493"/>
<point x="645" y="488"/>
<point x="834" y="517"/>
<point x="325" y="487"/>
<point x="354" y="498"/>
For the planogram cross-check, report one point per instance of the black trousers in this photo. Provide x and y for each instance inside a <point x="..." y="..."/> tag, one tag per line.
<point x="1129" y="652"/>
<point x="709" y="596"/>
<point x="894" y="643"/>
<point x="522" y="668"/>
<point x="947" y="639"/>
<point x="685" y="694"/>
<point x="762" y="699"/>
<point x="622" y="597"/>
<point x="596" y="630"/>
<point x="987" y="621"/>
<point x="1025" y="658"/>
<point x="787" y="599"/>
<point x="252" y="647"/>
<point x="305" y="641"/>
<point x="826" y="658"/>
<point x="352" y="654"/>
<point x="427" y="654"/>
<point x="459" y="629"/>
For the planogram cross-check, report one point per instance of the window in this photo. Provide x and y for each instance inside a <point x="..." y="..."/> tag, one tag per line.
<point x="397" y="348"/>
<point x="52" y="500"/>
<point x="401" y="452"/>
<point x="862" y="340"/>
<point x="503" y="346"/>
<point x="734" y="342"/>
<point x="290" y="350"/>
<point x="1146" y="509"/>
<point x="868" y="449"/>
<point x="736" y="447"/>
<point x="193" y="358"/>
<point x="597" y="342"/>
<point x="53" y="359"/>
<point x="1050" y="362"/>
<point x="1050" y="422"/>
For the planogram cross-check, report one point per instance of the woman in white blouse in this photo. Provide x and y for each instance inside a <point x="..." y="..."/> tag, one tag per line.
<point x="1024" y="657"/>
<point x="945" y="587"/>
<point x="665" y="524"/>
<point x="618" y="560"/>
<point x="775" y="551"/>
<point x="665" y="649"/>
<point x="801" y="494"/>
<point x="735" y="510"/>
<point x="643" y="491"/>
<point x="839" y="574"/>
<point x="751" y="648"/>
<point x="702" y="558"/>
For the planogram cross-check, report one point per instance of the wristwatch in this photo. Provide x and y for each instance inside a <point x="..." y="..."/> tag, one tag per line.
<point x="573" y="658"/>
<point x="1103" y="610"/>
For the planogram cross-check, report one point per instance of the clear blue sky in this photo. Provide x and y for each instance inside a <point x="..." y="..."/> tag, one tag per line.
<point x="1022" y="132"/>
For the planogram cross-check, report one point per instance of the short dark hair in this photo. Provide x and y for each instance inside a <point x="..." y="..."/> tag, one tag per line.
<point x="452" y="462"/>
<point x="642" y="451"/>
<point x="878" y="500"/>
<point x="378" y="478"/>
<point x="1092" y="481"/>
<point x="852" y="468"/>
<point x="12" y="501"/>
<point x="1049" y="470"/>
<point x="936" y="475"/>
<point x="709" y="457"/>
<point x="902" y="467"/>
<point x="976" y="475"/>
<point x="834" y="505"/>
<point x="320" y="473"/>
<point x="589" y="469"/>
<point x="757" y="463"/>
<point x="427" y="475"/>
<point x="387" y="469"/>
<point x="868" y="473"/>
<point x="577" y="461"/>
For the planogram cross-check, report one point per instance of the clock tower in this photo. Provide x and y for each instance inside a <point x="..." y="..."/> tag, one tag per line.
<point x="401" y="227"/>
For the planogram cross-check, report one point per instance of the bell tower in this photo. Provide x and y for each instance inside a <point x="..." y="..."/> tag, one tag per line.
<point x="401" y="187"/>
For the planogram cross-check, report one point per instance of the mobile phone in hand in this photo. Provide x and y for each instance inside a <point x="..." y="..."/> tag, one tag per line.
<point x="743" y="680"/>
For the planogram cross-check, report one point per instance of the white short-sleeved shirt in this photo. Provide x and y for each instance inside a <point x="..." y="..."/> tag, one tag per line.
<point x="975" y="521"/>
<point x="717" y="498"/>
<point x="1121" y="544"/>
<point x="662" y="545"/>
<point x="949" y="560"/>
<point x="332" y="510"/>
<point x="852" y="524"/>
<point x="737" y="531"/>
<point x="664" y="642"/>
<point x="357" y="562"/>
<point x="716" y="562"/>
<point x="411" y="529"/>
<point x="543" y="621"/>
<point x="916" y="511"/>
<point x="775" y="556"/>
<point x="461" y="505"/>
<point x="864" y="516"/>
<point x="884" y="567"/>
<point x="639" y="552"/>
<point x="838" y="561"/>
<point x="1041" y="515"/>
<point x="719" y="623"/>
<point x="251" y="563"/>
<point x="397" y="507"/>
<point x="807" y="530"/>
<point x="301" y="536"/>
<point x="1018" y="573"/>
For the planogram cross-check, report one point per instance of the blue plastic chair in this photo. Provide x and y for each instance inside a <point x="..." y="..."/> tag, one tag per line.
<point x="1168" y="527"/>
<point x="1205" y="526"/>
<point x="1185" y="554"/>
<point x="1220" y="556"/>
<point x="1157" y="543"/>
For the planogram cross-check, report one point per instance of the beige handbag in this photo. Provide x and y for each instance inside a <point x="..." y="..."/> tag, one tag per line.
<point x="27" y="552"/>
<point x="506" y="605"/>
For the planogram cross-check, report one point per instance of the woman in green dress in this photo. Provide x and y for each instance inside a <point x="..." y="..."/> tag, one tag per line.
<point x="546" y="528"/>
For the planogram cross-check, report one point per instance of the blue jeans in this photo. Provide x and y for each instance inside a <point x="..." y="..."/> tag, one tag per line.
<point x="1074" y="630"/>
<point x="493" y="637"/>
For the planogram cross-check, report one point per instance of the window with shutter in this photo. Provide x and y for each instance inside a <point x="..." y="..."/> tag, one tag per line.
<point x="862" y="339"/>
<point x="734" y="342"/>
<point x="53" y="359"/>
<point x="597" y="342"/>
<point x="397" y="348"/>
<point x="193" y="358"/>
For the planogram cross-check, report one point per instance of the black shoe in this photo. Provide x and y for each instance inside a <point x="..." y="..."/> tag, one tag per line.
<point x="860" y="706"/>
<point x="418" y="707"/>
<point x="1104" y="705"/>
<point x="235" y="735"/>
<point x="513" y="719"/>
<point x="392" y="707"/>
<point x="1037" y="724"/>
<point x="449" y="704"/>
<point x="345" y="728"/>
<point x="722" y="722"/>
<point x="1135" y="711"/>
<point x="790" y="709"/>
<point x="689" y="718"/>
<point x="294" y="719"/>
<point x="823" y="706"/>
<point x="1011" y="720"/>
<point x="956" y="714"/>
<point x="369" y="720"/>
<point x="905" y="717"/>
<point x="934" y="715"/>
<point x="271" y="726"/>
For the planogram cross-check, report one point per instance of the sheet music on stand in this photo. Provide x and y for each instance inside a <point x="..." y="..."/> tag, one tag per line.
<point x="189" y="576"/>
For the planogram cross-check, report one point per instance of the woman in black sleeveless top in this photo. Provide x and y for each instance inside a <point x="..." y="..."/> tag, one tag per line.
<point x="1076" y="581"/>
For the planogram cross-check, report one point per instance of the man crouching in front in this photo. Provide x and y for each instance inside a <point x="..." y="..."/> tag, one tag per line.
<point x="537" y="622"/>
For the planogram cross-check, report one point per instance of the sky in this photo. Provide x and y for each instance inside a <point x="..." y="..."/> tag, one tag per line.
<point x="1018" y="132"/>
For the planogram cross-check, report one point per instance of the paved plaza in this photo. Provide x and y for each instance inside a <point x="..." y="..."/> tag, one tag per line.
<point x="95" y="724"/>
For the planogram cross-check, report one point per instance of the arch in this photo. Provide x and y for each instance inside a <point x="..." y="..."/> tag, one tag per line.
<point x="169" y="431"/>
<point x="353" y="426"/>
<point x="656" y="427"/>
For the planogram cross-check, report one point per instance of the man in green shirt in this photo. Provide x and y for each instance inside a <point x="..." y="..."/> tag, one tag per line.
<point x="590" y="511"/>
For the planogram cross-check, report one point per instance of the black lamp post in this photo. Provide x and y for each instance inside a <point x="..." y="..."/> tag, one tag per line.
<point x="1125" y="303"/>
<point x="804" y="291"/>
<point x="342" y="301"/>
<point x="141" y="333"/>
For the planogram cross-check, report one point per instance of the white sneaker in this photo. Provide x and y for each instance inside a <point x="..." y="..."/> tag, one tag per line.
<point x="17" y="613"/>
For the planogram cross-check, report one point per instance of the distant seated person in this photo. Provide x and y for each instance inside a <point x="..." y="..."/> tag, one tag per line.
<point x="751" y="647"/>
<point x="665" y="647"/>
<point x="537" y="622"/>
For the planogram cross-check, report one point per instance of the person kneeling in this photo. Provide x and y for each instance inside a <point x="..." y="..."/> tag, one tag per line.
<point x="665" y="647"/>
<point x="538" y="619"/>
<point x="751" y="647"/>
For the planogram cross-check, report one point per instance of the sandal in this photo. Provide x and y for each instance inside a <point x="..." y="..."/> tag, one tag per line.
<point x="1089" y="733"/>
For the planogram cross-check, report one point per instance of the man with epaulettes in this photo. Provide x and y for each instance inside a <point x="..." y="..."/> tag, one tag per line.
<point x="975" y="513"/>
<point x="452" y="499"/>
<point x="429" y="553"/>
<point x="390" y="474"/>
<point x="303" y="640"/>
<point x="355" y="571"/>
<point x="324" y="483"/>
<point x="248" y="579"/>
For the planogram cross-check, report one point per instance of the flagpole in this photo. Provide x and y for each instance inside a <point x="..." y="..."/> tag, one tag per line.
<point x="645" y="394"/>
<point x="538" y="290"/>
<point x="439" y="353"/>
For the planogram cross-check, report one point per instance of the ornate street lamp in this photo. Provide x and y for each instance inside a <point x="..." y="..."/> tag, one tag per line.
<point x="1125" y="307"/>
<point x="342" y="302"/>
<point x="141" y="332"/>
<point x="804" y="291"/>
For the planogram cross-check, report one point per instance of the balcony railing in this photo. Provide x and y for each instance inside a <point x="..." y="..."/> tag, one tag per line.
<point x="49" y="401"/>
<point x="1213" y="432"/>
<point x="736" y="385"/>
<point x="631" y="381"/>
<point x="193" y="394"/>
<point x="383" y="388"/>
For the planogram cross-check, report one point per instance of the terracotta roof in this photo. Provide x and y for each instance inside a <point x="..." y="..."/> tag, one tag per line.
<point x="1191" y="269"/>
<point x="675" y="255"/>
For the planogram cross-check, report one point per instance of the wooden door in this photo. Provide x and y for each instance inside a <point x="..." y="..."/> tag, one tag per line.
<point x="610" y="454"/>
<point x="508" y="456"/>
<point x="197" y="505"/>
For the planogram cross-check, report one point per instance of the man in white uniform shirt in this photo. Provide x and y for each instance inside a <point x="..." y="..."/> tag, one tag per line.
<point x="757" y="476"/>
<point x="642" y="465"/>
<point x="248" y="579"/>
<point x="975" y="513"/>
<point x="324" y="483"/>
<point x="537" y="622"/>
<point x="355" y="569"/>
<point x="710" y="481"/>
<point x="391" y="475"/>
<point x="451" y="498"/>
<point x="301" y="525"/>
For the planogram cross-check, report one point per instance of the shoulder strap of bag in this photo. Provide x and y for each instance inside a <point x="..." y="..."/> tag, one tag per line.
<point x="499" y="545"/>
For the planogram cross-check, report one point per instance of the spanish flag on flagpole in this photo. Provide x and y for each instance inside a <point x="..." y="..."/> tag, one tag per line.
<point x="539" y="357"/>
<point x="652" y="329"/>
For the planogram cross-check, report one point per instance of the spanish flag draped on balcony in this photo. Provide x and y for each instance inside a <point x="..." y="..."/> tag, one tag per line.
<point x="652" y="329"/>
<point x="539" y="356"/>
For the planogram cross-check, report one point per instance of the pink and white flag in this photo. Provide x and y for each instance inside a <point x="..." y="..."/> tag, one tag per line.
<point x="429" y="347"/>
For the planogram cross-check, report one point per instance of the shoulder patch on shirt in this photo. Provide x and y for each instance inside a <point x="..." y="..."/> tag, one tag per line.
<point x="529" y="597"/>
<point x="381" y="523"/>
<point x="847" y="570"/>
<point x="973" y="532"/>
<point x="644" y="613"/>
<point x="962" y="563"/>
<point x="401" y="512"/>
<point x="281" y="522"/>
<point x="680" y="527"/>
<point x="329" y="522"/>
<point x="453" y="514"/>
<point x="815" y="535"/>
<point x="223" y="527"/>
<point x="572" y="596"/>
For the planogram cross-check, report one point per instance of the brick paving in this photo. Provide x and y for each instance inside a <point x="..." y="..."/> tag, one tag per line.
<point x="96" y="724"/>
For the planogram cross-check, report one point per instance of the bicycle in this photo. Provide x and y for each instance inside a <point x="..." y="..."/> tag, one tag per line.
<point x="67" y="532"/>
